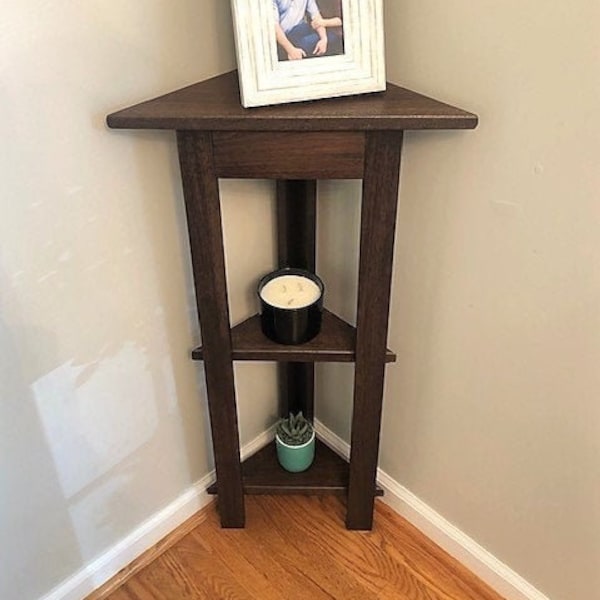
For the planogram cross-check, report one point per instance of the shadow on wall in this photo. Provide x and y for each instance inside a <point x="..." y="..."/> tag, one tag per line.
<point x="165" y="219"/>
<point x="83" y="459"/>
<point x="339" y="216"/>
<point x="32" y="546"/>
<point x="62" y="434"/>
<point x="95" y="385"/>
<point x="166" y="234"/>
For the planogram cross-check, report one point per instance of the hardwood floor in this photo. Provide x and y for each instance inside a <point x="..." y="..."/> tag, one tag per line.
<point x="295" y="547"/>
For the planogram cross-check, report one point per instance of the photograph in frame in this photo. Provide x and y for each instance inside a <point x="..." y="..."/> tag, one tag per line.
<point x="297" y="50"/>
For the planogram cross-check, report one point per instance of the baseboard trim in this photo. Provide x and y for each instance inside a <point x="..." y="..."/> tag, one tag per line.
<point x="150" y="532"/>
<point x="488" y="568"/>
<point x="99" y="571"/>
<point x="468" y="552"/>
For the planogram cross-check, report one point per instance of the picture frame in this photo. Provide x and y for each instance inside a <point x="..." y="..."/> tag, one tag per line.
<point x="354" y="62"/>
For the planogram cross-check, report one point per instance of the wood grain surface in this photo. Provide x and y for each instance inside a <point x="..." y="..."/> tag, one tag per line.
<point x="262" y="474"/>
<point x="335" y="343"/>
<point x="296" y="547"/>
<point x="338" y="137"/>
<point x="214" y="105"/>
<point x="296" y="247"/>
<point x="378" y="224"/>
<point x="203" y="209"/>
<point x="298" y="155"/>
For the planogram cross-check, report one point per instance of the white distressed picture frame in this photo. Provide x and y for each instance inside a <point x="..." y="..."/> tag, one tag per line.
<point x="264" y="79"/>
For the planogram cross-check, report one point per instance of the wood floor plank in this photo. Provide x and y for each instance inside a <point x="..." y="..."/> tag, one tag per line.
<point x="299" y="545"/>
<point x="252" y="576"/>
<point x="313" y="523"/>
<point x="149" y="556"/>
<point x="423" y="556"/>
<point x="290" y="555"/>
<point x="165" y="578"/>
<point x="206" y="571"/>
<point x="254" y="558"/>
<point x="293" y="548"/>
<point x="366" y="562"/>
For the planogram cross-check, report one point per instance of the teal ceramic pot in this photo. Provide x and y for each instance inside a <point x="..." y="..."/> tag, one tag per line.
<point x="295" y="459"/>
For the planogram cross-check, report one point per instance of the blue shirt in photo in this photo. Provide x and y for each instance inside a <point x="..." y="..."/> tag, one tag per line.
<point x="290" y="13"/>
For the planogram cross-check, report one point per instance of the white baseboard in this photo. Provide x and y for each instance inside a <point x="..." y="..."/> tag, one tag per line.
<point x="468" y="552"/>
<point x="149" y="533"/>
<point x="495" y="573"/>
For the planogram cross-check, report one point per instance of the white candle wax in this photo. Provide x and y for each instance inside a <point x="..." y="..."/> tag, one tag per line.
<point x="290" y="291"/>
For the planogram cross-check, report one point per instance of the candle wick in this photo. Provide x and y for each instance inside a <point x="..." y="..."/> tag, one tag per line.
<point x="290" y="302"/>
<point x="284" y="289"/>
<point x="300" y="288"/>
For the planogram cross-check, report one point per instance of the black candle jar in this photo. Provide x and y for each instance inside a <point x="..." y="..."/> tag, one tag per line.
<point x="291" y="305"/>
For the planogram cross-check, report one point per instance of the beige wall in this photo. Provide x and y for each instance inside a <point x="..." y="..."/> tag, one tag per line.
<point x="101" y="420"/>
<point x="493" y="415"/>
<point x="490" y="412"/>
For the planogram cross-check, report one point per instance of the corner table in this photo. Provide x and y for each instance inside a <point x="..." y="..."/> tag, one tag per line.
<point x="357" y="137"/>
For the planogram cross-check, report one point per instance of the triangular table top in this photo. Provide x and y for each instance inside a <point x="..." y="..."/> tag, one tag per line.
<point x="214" y="105"/>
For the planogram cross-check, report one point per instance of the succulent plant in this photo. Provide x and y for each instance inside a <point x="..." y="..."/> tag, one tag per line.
<point x="294" y="430"/>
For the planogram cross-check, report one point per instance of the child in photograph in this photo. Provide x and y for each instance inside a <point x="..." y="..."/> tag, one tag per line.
<point x="302" y="32"/>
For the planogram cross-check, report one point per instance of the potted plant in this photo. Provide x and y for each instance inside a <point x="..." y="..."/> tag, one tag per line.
<point x="295" y="442"/>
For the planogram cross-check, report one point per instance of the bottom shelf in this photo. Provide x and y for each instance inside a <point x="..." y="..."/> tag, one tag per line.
<point x="263" y="475"/>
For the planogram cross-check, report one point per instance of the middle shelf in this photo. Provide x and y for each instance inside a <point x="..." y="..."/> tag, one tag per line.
<point x="335" y="343"/>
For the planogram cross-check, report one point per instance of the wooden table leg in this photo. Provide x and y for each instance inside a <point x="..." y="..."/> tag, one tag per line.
<point x="378" y="222"/>
<point x="200" y="188"/>
<point x="296" y="245"/>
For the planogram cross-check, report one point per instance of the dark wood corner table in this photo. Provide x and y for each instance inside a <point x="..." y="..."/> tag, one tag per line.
<point x="358" y="137"/>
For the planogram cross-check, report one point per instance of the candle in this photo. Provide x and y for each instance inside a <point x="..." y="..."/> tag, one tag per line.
<point x="290" y="291"/>
<point x="291" y="303"/>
